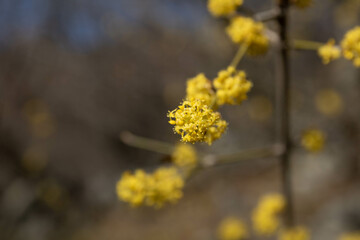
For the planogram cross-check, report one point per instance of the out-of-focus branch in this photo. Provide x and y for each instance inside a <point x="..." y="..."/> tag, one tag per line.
<point x="206" y="161"/>
<point x="267" y="15"/>
<point x="298" y="44"/>
<point x="146" y="143"/>
<point x="283" y="111"/>
<point x="244" y="155"/>
<point x="239" y="55"/>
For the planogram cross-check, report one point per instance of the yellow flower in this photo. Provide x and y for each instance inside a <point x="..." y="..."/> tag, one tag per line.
<point x="295" y="233"/>
<point x="265" y="216"/>
<point x="351" y="45"/>
<point x="243" y="30"/>
<point x="164" y="185"/>
<point x="329" y="102"/>
<point x="232" y="229"/>
<point x="329" y="52"/>
<point x="199" y="87"/>
<point x="313" y="140"/>
<point x="196" y="122"/>
<point x="223" y="7"/>
<point x="350" y="236"/>
<point x="132" y="187"/>
<point x="302" y="3"/>
<point x="184" y="157"/>
<point x="231" y="86"/>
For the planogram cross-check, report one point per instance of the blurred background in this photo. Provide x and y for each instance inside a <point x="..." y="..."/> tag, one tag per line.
<point x="74" y="74"/>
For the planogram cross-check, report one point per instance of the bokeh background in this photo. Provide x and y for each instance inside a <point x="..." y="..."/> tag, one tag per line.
<point x="74" y="74"/>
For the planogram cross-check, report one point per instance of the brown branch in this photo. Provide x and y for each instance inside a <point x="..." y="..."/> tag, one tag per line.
<point x="283" y="113"/>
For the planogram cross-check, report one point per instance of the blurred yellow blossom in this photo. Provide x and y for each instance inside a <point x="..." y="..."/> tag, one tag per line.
<point x="351" y="45"/>
<point x="329" y="52"/>
<point x="295" y="233"/>
<point x="196" y="122"/>
<point x="200" y="88"/>
<point x="184" y="157"/>
<point x="265" y="215"/>
<point x="231" y="86"/>
<point x="328" y="102"/>
<point x="53" y="194"/>
<point x="244" y="30"/>
<point x="41" y="122"/>
<point x="165" y="185"/>
<point x="350" y="236"/>
<point x="223" y="7"/>
<point x="232" y="229"/>
<point x="156" y="189"/>
<point x="132" y="188"/>
<point x="313" y="140"/>
<point x="302" y="3"/>
<point x="34" y="159"/>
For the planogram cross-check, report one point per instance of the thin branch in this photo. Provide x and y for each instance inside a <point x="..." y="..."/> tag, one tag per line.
<point x="244" y="155"/>
<point x="298" y="44"/>
<point x="146" y="143"/>
<point x="268" y="15"/>
<point x="283" y="111"/>
<point x="239" y="54"/>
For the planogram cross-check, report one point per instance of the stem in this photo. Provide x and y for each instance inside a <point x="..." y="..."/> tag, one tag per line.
<point x="249" y="154"/>
<point x="283" y="114"/>
<point x="239" y="54"/>
<point x="211" y="160"/>
<point x="146" y="143"/>
<point x="267" y="15"/>
<point x="298" y="44"/>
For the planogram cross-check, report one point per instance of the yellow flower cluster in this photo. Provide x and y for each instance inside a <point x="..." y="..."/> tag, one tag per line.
<point x="243" y="30"/>
<point x="329" y="102"/>
<point x="265" y="216"/>
<point x="313" y="140"/>
<point x="199" y="87"/>
<point x="196" y="122"/>
<point x="184" y="157"/>
<point x="232" y="229"/>
<point x="351" y="45"/>
<point x="302" y="3"/>
<point x="295" y="233"/>
<point x="329" y="52"/>
<point x="350" y="236"/>
<point x="231" y="86"/>
<point x="223" y="7"/>
<point x="164" y="185"/>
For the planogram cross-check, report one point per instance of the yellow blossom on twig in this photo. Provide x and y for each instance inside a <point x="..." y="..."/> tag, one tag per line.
<point x="329" y="52"/>
<point x="265" y="216"/>
<point x="219" y="8"/>
<point x="232" y="229"/>
<point x="200" y="88"/>
<point x="184" y="157"/>
<point x="231" y="86"/>
<point x="302" y="3"/>
<point x="244" y="30"/>
<point x="350" y="236"/>
<point x="294" y="233"/>
<point x="196" y="122"/>
<point x="351" y="45"/>
<point x="164" y="185"/>
<point x="329" y="102"/>
<point x="313" y="140"/>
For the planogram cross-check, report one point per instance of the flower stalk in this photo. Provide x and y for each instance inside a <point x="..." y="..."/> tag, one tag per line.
<point x="239" y="55"/>
<point x="146" y="143"/>
<point x="298" y="44"/>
